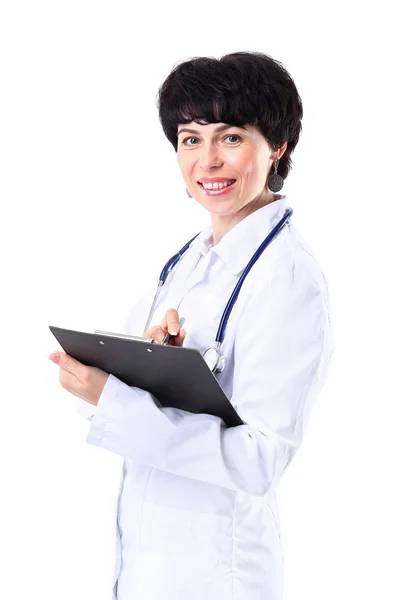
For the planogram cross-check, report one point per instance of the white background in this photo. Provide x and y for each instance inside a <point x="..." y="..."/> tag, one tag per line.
<point x="92" y="206"/>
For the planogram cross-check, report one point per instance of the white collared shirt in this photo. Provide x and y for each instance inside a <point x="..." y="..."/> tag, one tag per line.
<point x="197" y="515"/>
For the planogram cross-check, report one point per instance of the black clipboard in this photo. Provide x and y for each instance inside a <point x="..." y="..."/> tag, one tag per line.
<point x="176" y="376"/>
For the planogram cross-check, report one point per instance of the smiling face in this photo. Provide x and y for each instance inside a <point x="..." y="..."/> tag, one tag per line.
<point x="217" y="151"/>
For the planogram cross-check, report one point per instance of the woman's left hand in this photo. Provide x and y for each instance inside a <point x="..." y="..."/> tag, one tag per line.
<point x="82" y="381"/>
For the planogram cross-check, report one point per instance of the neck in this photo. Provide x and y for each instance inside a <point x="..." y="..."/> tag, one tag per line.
<point x="221" y="224"/>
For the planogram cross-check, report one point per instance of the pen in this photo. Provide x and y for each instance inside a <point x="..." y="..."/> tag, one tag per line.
<point x="168" y="335"/>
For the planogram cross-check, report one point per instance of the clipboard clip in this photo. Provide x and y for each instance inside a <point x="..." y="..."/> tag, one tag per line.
<point x="124" y="336"/>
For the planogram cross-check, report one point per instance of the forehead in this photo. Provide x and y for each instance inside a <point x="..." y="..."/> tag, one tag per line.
<point x="211" y="128"/>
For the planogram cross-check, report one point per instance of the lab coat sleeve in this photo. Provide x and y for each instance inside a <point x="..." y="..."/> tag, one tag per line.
<point x="282" y="350"/>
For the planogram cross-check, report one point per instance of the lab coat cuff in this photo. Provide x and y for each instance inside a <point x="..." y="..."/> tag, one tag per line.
<point x="85" y="409"/>
<point x="130" y="422"/>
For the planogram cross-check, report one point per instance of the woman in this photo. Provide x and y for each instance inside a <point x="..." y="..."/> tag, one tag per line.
<point x="197" y="513"/>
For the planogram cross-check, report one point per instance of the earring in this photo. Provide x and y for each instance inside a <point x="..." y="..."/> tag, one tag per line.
<point x="188" y="193"/>
<point x="275" y="181"/>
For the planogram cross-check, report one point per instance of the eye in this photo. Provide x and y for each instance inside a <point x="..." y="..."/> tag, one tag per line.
<point x="233" y="135"/>
<point x="188" y="138"/>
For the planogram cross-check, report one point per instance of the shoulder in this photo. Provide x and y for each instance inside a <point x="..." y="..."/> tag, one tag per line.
<point x="287" y="310"/>
<point x="288" y="261"/>
<point x="290" y="279"/>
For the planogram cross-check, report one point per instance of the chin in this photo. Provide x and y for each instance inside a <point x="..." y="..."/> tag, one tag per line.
<point x="221" y="210"/>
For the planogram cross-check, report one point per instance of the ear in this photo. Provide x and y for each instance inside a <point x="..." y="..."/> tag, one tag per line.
<point x="279" y="151"/>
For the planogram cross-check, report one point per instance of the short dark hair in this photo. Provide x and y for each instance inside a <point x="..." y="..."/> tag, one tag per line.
<point x="239" y="88"/>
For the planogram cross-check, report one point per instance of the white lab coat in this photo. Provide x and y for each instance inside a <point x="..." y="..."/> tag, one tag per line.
<point x="197" y="514"/>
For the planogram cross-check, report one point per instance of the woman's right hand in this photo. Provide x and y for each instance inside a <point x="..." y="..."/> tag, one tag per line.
<point x="169" y="323"/>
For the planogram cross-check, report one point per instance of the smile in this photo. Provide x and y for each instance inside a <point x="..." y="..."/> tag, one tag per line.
<point x="217" y="189"/>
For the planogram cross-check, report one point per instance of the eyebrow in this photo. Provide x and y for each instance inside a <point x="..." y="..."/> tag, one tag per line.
<point x="220" y="128"/>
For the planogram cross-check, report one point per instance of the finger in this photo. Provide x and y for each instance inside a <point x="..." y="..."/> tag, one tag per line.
<point x="153" y="331"/>
<point x="70" y="364"/>
<point x="171" y="321"/>
<point x="157" y="333"/>
<point x="63" y="360"/>
<point x="178" y="339"/>
<point x="68" y="379"/>
<point x="64" y="377"/>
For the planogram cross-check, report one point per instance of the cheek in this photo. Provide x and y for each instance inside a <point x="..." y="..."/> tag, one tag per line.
<point x="184" y="165"/>
<point x="248" y="170"/>
<point x="254" y="171"/>
<point x="245" y="163"/>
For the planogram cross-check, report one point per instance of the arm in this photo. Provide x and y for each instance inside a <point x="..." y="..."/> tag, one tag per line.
<point x="282" y="351"/>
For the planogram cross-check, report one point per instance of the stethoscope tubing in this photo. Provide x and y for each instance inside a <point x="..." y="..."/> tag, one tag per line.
<point x="173" y="261"/>
<point x="230" y="304"/>
<point x="218" y="362"/>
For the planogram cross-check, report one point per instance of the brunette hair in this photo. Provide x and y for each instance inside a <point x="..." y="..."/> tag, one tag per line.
<point x="237" y="89"/>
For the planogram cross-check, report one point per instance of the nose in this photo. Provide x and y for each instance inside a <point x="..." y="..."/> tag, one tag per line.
<point x="210" y="157"/>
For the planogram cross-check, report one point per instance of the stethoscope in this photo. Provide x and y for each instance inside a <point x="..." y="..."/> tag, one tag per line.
<point x="212" y="356"/>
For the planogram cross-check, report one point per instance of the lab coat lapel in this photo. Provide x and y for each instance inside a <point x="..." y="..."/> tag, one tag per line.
<point x="186" y="277"/>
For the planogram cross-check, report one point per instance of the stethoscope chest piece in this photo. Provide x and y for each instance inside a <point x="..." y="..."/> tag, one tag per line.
<point x="214" y="360"/>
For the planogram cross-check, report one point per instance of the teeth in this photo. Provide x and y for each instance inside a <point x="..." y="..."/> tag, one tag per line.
<point x="216" y="185"/>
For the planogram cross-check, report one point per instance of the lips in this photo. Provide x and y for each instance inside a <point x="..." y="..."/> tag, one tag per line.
<point x="218" y="192"/>
<point x="215" y="179"/>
